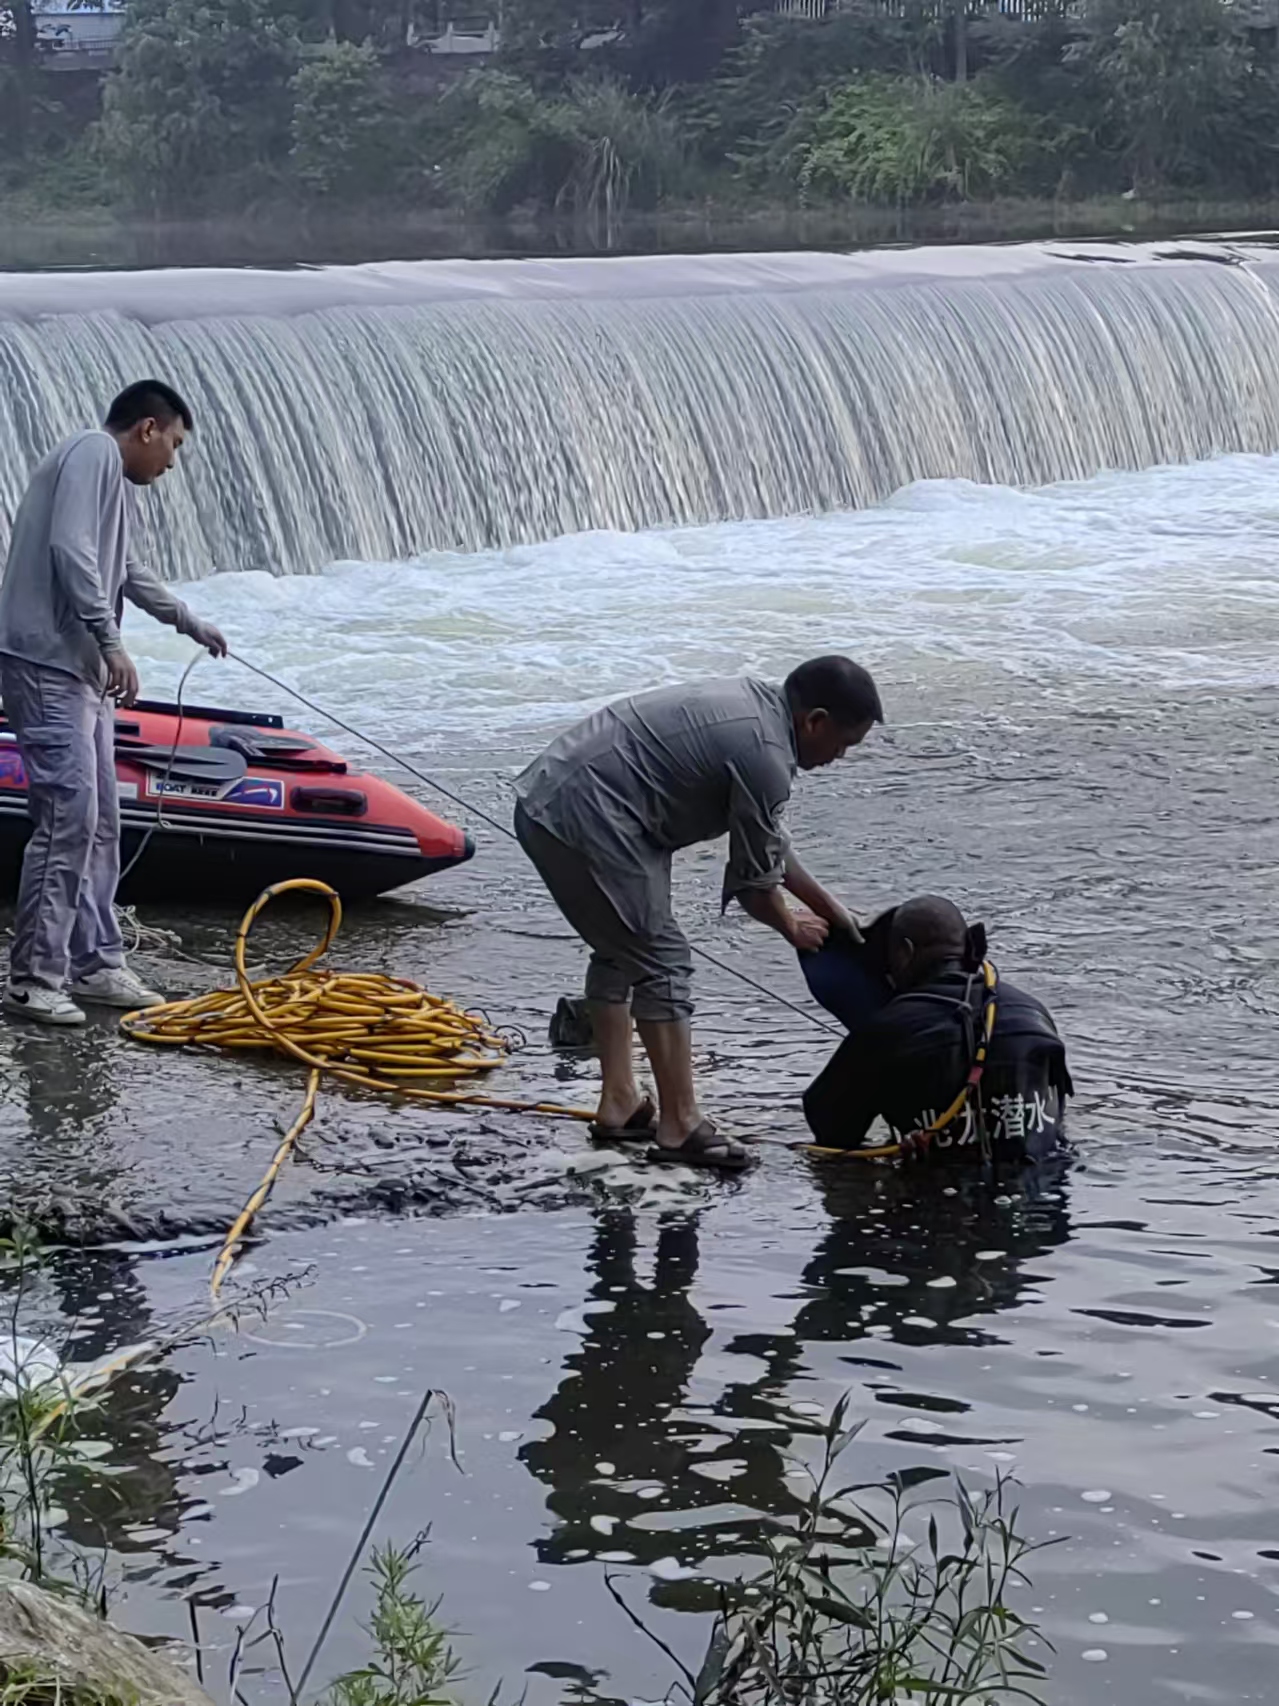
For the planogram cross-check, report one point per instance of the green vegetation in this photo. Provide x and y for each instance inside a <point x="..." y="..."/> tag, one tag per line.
<point x="875" y="1594"/>
<point x="879" y="1594"/>
<point x="910" y="139"/>
<point x="413" y="1664"/>
<point x="596" y="109"/>
<point x="41" y="1415"/>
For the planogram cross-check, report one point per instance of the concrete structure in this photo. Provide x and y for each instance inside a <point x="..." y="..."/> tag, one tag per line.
<point x="78" y="38"/>
<point x="470" y="36"/>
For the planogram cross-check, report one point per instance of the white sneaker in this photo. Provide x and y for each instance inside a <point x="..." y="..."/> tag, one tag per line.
<point x="43" y="1006"/>
<point x="116" y="986"/>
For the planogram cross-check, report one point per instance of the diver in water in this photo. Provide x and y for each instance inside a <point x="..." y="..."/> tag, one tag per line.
<point x="957" y="1062"/>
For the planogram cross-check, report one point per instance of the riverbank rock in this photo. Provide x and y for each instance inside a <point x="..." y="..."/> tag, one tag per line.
<point x="42" y="1635"/>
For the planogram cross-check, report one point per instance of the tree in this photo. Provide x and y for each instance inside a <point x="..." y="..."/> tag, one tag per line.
<point x="1167" y="78"/>
<point x="199" y="109"/>
<point x="343" y="127"/>
<point x="18" y="46"/>
<point x="656" y="43"/>
<point x="683" y="41"/>
<point x="556" y="27"/>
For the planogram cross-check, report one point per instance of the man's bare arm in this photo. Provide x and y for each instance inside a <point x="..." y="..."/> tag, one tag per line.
<point x="801" y="929"/>
<point x="810" y="893"/>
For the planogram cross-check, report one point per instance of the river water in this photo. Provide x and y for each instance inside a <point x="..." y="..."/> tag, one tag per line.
<point x="1081" y="750"/>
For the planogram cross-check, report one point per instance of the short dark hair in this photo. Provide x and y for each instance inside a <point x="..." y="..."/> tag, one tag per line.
<point x="934" y="924"/>
<point x="939" y="934"/>
<point x="148" y="400"/>
<point x="837" y="685"/>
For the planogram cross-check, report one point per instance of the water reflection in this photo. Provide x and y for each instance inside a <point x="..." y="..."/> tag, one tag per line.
<point x="70" y="1151"/>
<point x="637" y="1473"/>
<point x="65" y="1082"/>
<point x="915" y="1259"/>
<point x="623" y="1452"/>
<point x="103" y="1306"/>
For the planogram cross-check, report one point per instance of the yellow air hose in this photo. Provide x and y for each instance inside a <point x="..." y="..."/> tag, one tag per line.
<point x="375" y="1032"/>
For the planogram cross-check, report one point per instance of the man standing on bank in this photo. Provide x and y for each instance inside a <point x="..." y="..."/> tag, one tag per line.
<point x="63" y="671"/>
<point x="606" y="805"/>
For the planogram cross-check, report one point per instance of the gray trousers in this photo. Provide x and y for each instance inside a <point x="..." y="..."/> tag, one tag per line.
<point x="652" y="970"/>
<point x="65" y="923"/>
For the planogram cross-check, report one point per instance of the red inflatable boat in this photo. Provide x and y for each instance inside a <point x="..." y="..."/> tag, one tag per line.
<point x="239" y="802"/>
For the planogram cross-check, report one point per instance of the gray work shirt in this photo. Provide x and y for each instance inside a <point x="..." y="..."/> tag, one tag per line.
<point x="71" y="565"/>
<point x="638" y="780"/>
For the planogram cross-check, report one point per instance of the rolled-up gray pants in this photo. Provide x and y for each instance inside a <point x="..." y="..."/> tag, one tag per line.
<point x="65" y="924"/>
<point x="651" y="970"/>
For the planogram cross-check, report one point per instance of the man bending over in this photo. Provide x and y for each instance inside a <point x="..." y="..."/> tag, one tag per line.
<point x="600" y="814"/>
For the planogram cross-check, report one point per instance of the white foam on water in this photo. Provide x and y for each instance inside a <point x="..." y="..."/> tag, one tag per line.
<point x="726" y="1469"/>
<point x="245" y="1481"/>
<point x="1165" y="578"/>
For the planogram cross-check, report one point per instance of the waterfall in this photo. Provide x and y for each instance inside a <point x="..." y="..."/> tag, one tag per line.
<point x="378" y="412"/>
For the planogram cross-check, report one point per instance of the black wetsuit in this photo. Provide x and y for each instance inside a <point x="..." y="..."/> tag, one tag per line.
<point x="907" y="1057"/>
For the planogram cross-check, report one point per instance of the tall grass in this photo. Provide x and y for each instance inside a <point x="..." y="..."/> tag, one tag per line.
<point x="888" y="1594"/>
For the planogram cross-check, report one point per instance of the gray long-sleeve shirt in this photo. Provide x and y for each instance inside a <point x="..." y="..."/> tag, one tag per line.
<point x="631" y="784"/>
<point x="71" y="565"/>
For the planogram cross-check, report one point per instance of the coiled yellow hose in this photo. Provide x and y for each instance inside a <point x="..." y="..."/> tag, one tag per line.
<point x="379" y="1033"/>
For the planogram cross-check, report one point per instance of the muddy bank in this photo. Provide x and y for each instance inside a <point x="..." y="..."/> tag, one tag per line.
<point x="108" y="1141"/>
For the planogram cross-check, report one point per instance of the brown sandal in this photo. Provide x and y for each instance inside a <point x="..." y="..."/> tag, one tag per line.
<point x="640" y="1128"/>
<point x="706" y="1147"/>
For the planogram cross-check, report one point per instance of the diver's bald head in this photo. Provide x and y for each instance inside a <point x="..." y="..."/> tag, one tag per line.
<point x="927" y="933"/>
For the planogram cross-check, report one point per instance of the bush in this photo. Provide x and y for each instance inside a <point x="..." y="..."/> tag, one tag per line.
<point x="594" y="150"/>
<point x="763" y="103"/>
<point x="915" y="139"/>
